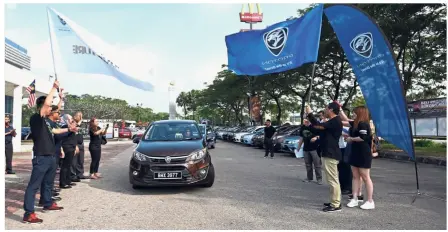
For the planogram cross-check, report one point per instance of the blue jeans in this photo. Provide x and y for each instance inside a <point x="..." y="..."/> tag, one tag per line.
<point x="42" y="187"/>
<point x="44" y="167"/>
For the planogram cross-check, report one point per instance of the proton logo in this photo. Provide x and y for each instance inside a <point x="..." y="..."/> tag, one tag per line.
<point x="168" y="159"/>
<point x="362" y="44"/>
<point x="62" y="21"/>
<point x="275" y="40"/>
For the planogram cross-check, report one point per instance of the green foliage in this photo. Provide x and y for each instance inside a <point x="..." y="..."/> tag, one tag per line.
<point x="424" y="143"/>
<point x="102" y="107"/>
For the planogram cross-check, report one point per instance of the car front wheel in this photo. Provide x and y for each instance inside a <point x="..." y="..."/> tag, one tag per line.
<point x="210" y="179"/>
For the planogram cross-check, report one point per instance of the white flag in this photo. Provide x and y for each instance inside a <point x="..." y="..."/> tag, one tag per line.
<point x="78" y="55"/>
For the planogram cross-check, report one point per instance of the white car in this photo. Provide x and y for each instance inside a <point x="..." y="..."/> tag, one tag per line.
<point x="239" y="136"/>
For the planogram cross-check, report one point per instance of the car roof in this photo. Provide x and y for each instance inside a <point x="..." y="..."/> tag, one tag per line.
<point x="174" y="121"/>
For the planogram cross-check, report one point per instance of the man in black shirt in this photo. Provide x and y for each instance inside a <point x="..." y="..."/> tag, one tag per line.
<point x="43" y="161"/>
<point x="309" y="139"/>
<point x="10" y="132"/>
<point x="269" y="134"/>
<point x="329" y="134"/>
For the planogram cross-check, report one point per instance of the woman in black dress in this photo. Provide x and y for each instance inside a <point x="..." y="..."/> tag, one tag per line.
<point x="361" y="154"/>
<point x="95" y="133"/>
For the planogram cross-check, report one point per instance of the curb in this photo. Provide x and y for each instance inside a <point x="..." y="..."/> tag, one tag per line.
<point x="404" y="157"/>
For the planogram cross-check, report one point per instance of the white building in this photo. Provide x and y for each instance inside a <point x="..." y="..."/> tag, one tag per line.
<point x="17" y="78"/>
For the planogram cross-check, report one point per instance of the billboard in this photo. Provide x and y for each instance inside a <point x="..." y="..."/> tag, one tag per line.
<point x="255" y="108"/>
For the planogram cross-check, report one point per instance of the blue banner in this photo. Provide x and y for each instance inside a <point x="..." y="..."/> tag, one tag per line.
<point x="280" y="47"/>
<point x="376" y="70"/>
<point x="79" y="57"/>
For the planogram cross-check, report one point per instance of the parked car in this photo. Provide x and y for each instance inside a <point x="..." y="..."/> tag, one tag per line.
<point x="228" y="135"/>
<point x="125" y="133"/>
<point x="26" y="133"/>
<point x="258" y="139"/>
<point x="136" y="132"/>
<point x="290" y="142"/>
<point x="244" y="131"/>
<point x="279" y="138"/>
<point x="166" y="156"/>
<point x="247" y="138"/>
<point x="208" y="133"/>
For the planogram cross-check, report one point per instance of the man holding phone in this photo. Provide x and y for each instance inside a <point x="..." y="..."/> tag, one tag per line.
<point x="10" y="132"/>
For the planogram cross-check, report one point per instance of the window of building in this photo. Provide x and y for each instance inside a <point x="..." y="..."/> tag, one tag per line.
<point x="8" y="104"/>
<point x="426" y="127"/>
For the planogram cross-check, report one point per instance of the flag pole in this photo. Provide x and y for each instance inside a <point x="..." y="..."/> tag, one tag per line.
<point x="311" y="83"/>
<point x="51" y="45"/>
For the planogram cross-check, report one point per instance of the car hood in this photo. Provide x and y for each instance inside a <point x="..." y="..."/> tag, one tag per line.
<point x="292" y="138"/>
<point x="241" y="134"/>
<point x="169" y="148"/>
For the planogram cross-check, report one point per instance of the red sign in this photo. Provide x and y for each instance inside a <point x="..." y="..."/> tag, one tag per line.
<point x="251" y="17"/>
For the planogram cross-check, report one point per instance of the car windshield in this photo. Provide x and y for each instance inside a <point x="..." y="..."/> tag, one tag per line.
<point x="173" y="132"/>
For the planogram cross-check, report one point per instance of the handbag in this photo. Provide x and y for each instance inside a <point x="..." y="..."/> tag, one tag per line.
<point x="103" y="140"/>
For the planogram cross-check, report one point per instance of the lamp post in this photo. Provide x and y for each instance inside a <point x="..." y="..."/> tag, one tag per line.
<point x="139" y="105"/>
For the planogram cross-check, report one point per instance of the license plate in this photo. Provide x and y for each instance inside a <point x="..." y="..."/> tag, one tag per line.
<point x="168" y="175"/>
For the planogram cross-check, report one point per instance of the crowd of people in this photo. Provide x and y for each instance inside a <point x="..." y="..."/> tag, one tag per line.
<point x="342" y="147"/>
<point x="57" y="148"/>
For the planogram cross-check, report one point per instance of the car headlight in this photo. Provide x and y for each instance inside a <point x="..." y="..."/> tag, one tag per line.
<point x="197" y="155"/>
<point x="140" y="157"/>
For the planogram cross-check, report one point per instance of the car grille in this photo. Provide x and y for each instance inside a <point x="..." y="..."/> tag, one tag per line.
<point x="174" y="160"/>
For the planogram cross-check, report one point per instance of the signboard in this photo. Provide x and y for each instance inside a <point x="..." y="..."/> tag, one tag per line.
<point x="255" y="108"/>
<point x="425" y="105"/>
<point x="251" y="17"/>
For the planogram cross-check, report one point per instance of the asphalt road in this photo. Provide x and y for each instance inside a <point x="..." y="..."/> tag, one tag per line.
<point x="249" y="193"/>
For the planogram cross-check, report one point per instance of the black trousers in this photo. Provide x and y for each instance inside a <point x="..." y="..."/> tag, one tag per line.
<point x="9" y="152"/>
<point x="269" y="147"/>
<point x="345" y="174"/>
<point x="64" y="178"/>
<point x="77" y="170"/>
<point x="95" y="153"/>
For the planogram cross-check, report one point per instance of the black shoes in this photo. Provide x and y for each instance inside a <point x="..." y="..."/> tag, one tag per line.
<point x="10" y="172"/>
<point x="329" y="208"/>
<point x="72" y="184"/>
<point x="66" y="186"/>
<point x="76" y="180"/>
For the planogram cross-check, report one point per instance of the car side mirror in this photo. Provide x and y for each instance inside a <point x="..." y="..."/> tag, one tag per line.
<point x="137" y="140"/>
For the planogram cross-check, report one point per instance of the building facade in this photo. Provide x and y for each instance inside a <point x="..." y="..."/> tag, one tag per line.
<point x="17" y="78"/>
<point x="428" y="117"/>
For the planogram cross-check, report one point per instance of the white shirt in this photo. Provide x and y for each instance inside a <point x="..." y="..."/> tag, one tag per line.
<point x="342" y="143"/>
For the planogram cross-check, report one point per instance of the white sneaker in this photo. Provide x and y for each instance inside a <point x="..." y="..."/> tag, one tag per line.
<point x="353" y="203"/>
<point x="368" y="205"/>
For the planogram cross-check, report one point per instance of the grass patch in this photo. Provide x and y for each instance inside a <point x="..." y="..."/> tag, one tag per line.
<point x="421" y="148"/>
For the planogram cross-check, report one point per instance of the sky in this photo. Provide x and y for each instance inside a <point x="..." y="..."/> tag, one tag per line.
<point x="183" y="43"/>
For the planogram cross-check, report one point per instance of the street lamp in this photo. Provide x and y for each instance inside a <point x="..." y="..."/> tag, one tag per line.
<point x="139" y="105"/>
